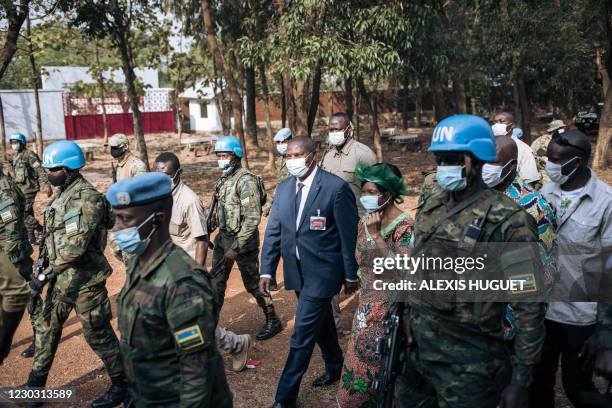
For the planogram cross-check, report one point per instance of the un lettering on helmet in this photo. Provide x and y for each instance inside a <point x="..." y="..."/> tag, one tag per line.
<point x="442" y="133"/>
<point x="48" y="157"/>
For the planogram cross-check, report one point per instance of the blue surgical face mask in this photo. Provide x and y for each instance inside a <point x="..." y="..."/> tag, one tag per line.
<point x="451" y="178"/>
<point x="129" y="241"/>
<point x="223" y="163"/>
<point x="281" y="148"/>
<point x="370" y="203"/>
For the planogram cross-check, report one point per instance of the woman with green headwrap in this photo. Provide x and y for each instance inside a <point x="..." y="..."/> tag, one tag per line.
<point x="383" y="232"/>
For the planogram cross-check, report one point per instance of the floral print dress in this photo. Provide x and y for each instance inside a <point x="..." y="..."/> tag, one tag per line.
<point x="361" y="364"/>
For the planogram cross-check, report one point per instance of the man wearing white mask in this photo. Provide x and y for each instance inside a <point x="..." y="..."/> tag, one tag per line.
<point x="341" y="159"/>
<point x="578" y="330"/>
<point x="503" y="124"/>
<point x="344" y="153"/>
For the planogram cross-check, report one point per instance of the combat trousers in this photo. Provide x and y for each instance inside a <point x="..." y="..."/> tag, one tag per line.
<point x="248" y="264"/>
<point x="30" y="221"/>
<point x="94" y="311"/>
<point x="14" y="291"/>
<point x="430" y="384"/>
<point x="228" y="341"/>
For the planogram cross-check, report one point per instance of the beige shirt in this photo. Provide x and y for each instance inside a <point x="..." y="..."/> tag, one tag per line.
<point x="188" y="220"/>
<point x="526" y="163"/>
<point x="129" y="166"/>
<point x="343" y="163"/>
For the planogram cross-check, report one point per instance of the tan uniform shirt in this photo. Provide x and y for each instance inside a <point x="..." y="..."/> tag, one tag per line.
<point x="188" y="219"/>
<point x="343" y="162"/>
<point x="129" y="166"/>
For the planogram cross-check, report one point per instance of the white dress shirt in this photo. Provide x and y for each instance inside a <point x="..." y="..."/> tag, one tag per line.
<point x="526" y="164"/>
<point x="307" y="182"/>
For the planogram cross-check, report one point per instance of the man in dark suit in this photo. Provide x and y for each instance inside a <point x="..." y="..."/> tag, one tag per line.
<point x="313" y="227"/>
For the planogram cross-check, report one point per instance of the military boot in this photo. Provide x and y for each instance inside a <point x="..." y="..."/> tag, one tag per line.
<point x="273" y="325"/>
<point x="10" y="322"/>
<point x="115" y="395"/>
<point x="29" y="352"/>
<point x="35" y="380"/>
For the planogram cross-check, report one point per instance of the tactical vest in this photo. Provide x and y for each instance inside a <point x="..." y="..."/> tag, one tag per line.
<point x="229" y="211"/>
<point x="63" y="220"/>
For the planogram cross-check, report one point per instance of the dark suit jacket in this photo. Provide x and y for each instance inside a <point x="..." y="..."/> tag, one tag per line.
<point x="327" y="257"/>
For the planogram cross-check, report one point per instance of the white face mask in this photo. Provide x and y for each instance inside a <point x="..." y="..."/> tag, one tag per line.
<point x="500" y="129"/>
<point x="15" y="146"/>
<point x="281" y="148"/>
<point x="492" y="173"/>
<point x="336" y="138"/>
<point x="223" y="163"/>
<point x="555" y="171"/>
<point x="297" y="167"/>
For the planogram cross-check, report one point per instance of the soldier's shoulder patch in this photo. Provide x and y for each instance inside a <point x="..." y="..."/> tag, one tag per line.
<point x="189" y="337"/>
<point x="525" y="283"/>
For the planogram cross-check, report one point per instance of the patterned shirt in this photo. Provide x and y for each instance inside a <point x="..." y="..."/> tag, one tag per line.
<point x="536" y="205"/>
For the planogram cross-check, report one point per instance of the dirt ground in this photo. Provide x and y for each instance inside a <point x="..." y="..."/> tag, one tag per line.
<point x="76" y="366"/>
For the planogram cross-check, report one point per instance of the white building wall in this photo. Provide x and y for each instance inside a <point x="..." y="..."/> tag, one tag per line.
<point x="20" y="113"/>
<point x="197" y="123"/>
<point x="61" y="77"/>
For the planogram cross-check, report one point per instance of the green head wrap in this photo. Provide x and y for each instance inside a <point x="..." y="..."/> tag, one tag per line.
<point x="383" y="176"/>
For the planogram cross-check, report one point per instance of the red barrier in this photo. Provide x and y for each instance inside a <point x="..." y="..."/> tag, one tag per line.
<point x="90" y="126"/>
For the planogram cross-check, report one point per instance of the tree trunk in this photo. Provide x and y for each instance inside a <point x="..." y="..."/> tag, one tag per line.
<point x="371" y="104"/>
<point x="251" y="115"/>
<point x="102" y="91"/>
<point x="518" y="117"/>
<point x="283" y="102"/>
<point x="604" y="138"/>
<point x="438" y="100"/>
<point x="459" y="92"/>
<point x="314" y="97"/>
<point x="348" y="96"/>
<point x="569" y="103"/>
<point x="34" y="82"/>
<point x="405" y="101"/>
<point x="266" y="101"/>
<point x="16" y="15"/>
<point x="229" y="77"/>
<point x="357" y="98"/>
<point x="2" y="130"/>
<point x="418" y="104"/>
<point x="127" y="64"/>
<point x="525" y="109"/>
<point x="603" y="72"/>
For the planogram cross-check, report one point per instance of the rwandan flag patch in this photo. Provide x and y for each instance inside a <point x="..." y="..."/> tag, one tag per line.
<point x="189" y="338"/>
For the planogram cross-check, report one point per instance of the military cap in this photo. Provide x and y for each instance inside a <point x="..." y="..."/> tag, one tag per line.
<point x="554" y="125"/>
<point x="119" y="139"/>
<point x="140" y="190"/>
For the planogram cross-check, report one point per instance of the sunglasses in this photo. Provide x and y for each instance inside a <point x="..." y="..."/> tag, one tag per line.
<point x="562" y="141"/>
<point x="450" y="159"/>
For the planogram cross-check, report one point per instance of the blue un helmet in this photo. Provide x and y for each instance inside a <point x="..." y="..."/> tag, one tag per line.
<point x="64" y="153"/>
<point x="283" y="134"/>
<point x="20" y="137"/>
<point x="464" y="133"/>
<point x="229" y="144"/>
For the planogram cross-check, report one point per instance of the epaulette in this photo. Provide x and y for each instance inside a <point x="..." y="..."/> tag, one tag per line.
<point x="179" y="264"/>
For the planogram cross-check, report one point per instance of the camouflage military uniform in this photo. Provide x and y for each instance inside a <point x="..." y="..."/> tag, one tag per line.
<point x="460" y="358"/>
<point x="238" y="216"/>
<point x="282" y="174"/>
<point x="539" y="147"/>
<point x="76" y="226"/>
<point x="28" y="175"/>
<point x="129" y="166"/>
<point x="15" y="249"/>
<point x="167" y="319"/>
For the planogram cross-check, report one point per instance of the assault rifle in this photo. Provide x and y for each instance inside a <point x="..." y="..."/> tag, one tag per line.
<point x="42" y="262"/>
<point x="211" y="218"/>
<point x="389" y="347"/>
